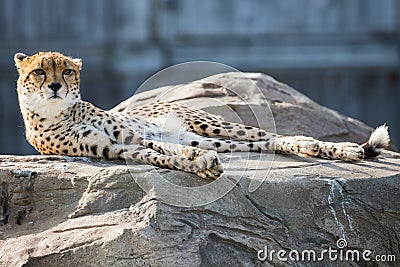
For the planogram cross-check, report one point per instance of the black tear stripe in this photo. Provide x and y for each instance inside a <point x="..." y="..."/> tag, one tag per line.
<point x="45" y="78"/>
<point x="66" y="85"/>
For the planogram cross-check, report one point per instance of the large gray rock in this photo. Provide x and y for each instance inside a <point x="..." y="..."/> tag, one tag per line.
<point x="61" y="211"/>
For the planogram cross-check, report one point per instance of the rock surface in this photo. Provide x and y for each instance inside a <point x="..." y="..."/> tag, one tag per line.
<point x="61" y="211"/>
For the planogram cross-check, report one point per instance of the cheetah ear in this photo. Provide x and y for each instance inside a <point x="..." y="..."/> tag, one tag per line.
<point x="18" y="58"/>
<point x="77" y="62"/>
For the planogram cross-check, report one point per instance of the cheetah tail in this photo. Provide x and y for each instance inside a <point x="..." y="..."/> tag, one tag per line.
<point x="378" y="140"/>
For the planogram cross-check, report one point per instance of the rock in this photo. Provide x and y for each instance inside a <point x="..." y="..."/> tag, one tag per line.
<point x="62" y="211"/>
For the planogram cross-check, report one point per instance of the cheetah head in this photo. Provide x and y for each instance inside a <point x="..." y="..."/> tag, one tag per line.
<point x="48" y="82"/>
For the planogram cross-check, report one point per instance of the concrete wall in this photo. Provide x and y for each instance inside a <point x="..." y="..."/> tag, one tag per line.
<point x="341" y="53"/>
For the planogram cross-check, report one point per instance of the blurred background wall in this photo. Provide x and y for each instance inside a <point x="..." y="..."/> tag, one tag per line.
<point x="342" y="53"/>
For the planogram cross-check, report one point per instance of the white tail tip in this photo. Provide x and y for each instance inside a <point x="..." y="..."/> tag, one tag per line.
<point x="379" y="140"/>
<point x="380" y="137"/>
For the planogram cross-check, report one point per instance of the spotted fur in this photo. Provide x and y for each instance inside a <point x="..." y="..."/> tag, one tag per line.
<point x="58" y="121"/>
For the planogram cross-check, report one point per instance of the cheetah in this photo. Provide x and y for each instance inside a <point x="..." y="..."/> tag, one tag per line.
<point x="58" y="122"/>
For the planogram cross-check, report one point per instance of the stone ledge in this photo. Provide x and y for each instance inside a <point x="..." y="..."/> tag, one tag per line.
<point x="65" y="212"/>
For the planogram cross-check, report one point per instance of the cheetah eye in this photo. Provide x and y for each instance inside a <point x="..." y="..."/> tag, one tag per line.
<point x="39" y="72"/>
<point x="67" y="72"/>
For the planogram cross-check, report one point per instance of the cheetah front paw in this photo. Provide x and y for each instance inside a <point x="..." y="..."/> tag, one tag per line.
<point x="209" y="165"/>
<point x="212" y="173"/>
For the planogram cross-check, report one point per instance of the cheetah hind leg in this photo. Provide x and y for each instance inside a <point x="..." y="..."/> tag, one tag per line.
<point x="302" y="146"/>
<point x="349" y="152"/>
<point x="352" y="152"/>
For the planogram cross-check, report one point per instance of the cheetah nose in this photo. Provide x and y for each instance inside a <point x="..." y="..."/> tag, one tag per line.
<point x="55" y="87"/>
